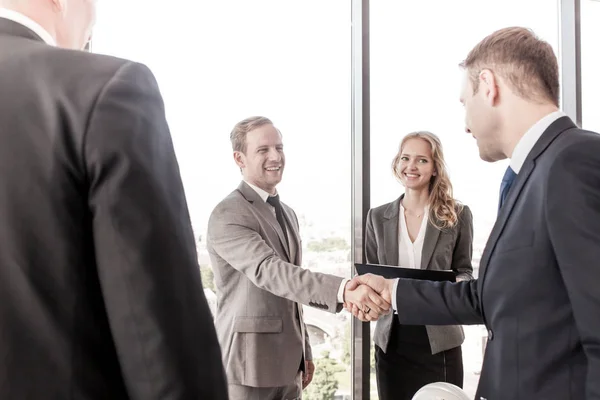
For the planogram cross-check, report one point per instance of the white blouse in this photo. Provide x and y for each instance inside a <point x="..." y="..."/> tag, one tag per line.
<point x="409" y="253"/>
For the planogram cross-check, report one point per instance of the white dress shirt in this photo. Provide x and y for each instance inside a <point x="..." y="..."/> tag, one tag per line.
<point x="520" y="153"/>
<point x="28" y="23"/>
<point x="530" y="138"/>
<point x="264" y="195"/>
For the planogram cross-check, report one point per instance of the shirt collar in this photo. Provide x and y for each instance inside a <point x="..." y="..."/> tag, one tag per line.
<point x="264" y="195"/>
<point x="530" y="138"/>
<point x="28" y="23"/>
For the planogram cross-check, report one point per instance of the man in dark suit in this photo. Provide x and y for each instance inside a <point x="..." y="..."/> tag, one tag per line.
<point x="537" y="291"/>
<point x="100" y="292"/>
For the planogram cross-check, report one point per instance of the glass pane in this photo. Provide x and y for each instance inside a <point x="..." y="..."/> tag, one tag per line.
<point x="218" y="62"/>
<point x="415" y="82"/>
<point x="590" y="64"/>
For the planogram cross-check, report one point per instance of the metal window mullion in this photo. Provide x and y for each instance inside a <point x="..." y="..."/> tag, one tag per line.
<point x="569" y="57"/>
<point x="361" y="189"/>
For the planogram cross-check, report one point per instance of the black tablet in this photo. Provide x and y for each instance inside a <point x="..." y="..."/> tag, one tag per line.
<point x="398" y="272"/>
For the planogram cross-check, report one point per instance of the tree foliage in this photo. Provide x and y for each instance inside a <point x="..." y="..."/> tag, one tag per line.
<point x="324" y="383"/>
<point x="208" y="277"/>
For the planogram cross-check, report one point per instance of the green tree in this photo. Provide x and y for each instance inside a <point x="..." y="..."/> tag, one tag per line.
<point x="324" y="383"/>
<point x="208" y="277"/>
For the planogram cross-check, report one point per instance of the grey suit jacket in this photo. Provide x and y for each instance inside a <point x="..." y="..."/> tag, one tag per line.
<point x="100" y="292"/>
<point x="260" y="289"/>
<point x="537" y="290"/>
<point x="442" y="250"/>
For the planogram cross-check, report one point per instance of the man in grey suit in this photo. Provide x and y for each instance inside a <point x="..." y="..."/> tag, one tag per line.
<point x="537" y="291"/>
<point x="256" y="253"/>
<point x="100" y="292"/>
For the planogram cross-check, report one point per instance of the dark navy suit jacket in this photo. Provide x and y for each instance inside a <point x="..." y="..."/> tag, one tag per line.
<point x="100" y="292"/>
<point x="538" y="291"/>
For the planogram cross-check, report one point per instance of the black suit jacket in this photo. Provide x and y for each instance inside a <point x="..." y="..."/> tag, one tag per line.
<point x="538" y="290"/>
<point x="100" y="293"/>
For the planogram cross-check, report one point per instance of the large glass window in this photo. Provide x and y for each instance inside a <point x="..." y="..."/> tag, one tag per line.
<point x="218" y="62"/>
<point x="415" y="82"/>
<point x="590" y="64"/>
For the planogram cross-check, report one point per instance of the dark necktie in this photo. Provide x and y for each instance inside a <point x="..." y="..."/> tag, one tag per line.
<point x="507" y="180"/>
<point x="274" y="201"/>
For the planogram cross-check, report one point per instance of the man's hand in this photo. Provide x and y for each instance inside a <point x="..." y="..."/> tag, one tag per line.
<point x="308" y="374"/>
<point x="384" y="287"/>
<point x="362" y="297"/>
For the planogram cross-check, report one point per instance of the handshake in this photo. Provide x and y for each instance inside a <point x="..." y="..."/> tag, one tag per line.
<point x="369" y="296"/>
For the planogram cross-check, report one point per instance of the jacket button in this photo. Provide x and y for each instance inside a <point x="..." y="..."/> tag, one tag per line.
<point x="490" y="335"/>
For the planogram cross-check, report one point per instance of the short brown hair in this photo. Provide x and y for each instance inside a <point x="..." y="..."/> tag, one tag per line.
<point x="525" y="61"/>
<point x="241" y="129"/>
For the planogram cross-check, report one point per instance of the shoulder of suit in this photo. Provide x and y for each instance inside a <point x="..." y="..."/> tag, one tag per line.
<point x="573" y="149"/>
<point x="378" y="211"/>
<point x="462" y="208"/>
<point x="570" y="146"/>
<point x="233" y="200"/>
<point x="463" y="211"/>
<point x="81" y="59"/>
<point x="83" y="68"/>
<point x="232" y="206"/>
<point x="576" y="137"/>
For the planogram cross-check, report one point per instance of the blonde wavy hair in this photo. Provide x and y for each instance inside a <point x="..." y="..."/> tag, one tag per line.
<point x="442" y="204"/>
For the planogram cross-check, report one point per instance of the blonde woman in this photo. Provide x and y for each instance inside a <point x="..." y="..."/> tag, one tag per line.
<point x="424" y="228"/>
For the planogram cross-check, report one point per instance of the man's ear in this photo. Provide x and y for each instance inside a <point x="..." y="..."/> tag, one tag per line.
<point x="239" y="159"/>
<point x="488" y="85"/>
<point x="59" y="6"/>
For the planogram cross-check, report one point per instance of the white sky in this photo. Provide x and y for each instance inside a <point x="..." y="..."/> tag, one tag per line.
<point x="218" y="62"/>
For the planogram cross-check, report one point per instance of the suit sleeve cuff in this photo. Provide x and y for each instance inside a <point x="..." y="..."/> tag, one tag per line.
<point x="394" y="298"/>
<point x="340" y="295"/>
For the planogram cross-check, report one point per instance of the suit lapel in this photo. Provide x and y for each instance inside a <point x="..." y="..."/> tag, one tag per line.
<point x="507" y="207"/>
<point x="553" y="131"/>
<point x="390" y="232"/>
<point x="293" y="234"/>
<point x="432" y="234"/>
<point x="266" y="212"/>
